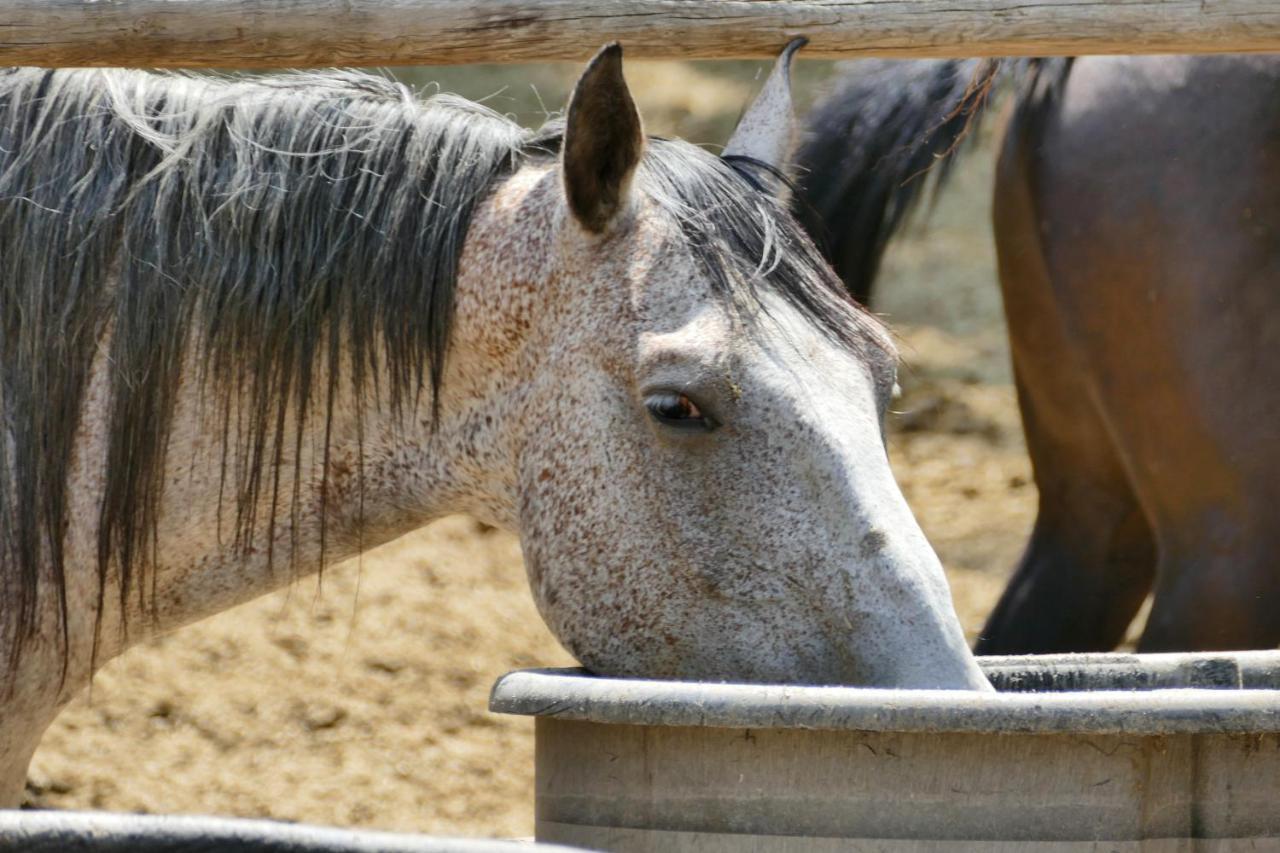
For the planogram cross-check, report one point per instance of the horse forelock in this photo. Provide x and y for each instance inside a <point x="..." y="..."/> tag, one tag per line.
<point x="744" y="238"/>
<point x="276" y="233"/>
<point x="748" y="243"/>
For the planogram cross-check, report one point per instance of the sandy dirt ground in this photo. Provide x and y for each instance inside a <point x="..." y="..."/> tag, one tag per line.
<point x="361" y="701"/>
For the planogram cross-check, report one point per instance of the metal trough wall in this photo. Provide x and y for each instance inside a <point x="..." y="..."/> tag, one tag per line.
<point x="1152" y="753"/>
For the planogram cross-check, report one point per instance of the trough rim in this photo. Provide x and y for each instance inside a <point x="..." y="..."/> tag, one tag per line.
<point x="22" y="831"/>
<point x="575" y="694"/>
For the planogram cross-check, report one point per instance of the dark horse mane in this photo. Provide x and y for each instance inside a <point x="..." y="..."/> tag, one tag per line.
<point x="275" y="232"/>
<point x="885" y="136"/>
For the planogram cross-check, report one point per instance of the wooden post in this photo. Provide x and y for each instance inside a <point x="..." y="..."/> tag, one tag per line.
<point x="309" y="33"/>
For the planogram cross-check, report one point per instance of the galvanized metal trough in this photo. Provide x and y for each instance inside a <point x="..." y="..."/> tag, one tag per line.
<point x="1124" y="753"/>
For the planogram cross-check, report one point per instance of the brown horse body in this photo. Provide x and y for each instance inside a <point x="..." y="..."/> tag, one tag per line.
<point x="1137" y="222"/>
<point x="1138" y="230"/>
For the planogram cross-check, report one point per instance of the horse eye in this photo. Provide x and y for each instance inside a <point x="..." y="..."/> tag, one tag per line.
<point x="677" y="410"/>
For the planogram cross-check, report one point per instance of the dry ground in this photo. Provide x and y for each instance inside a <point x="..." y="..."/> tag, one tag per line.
<point x="318" y="705"/>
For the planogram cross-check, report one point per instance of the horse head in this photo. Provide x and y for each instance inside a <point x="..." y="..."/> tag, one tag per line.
<point x="695" y="457"/>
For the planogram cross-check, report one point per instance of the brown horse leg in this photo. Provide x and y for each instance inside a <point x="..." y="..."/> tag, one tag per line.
<point x="1090" y="560"/>
<point x="1077" y="587"/>
<point x="1215" y="601"/>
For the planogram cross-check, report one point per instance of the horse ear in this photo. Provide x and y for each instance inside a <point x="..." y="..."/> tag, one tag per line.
<point x="603" y="141"/>
<point x="767" y="130"/>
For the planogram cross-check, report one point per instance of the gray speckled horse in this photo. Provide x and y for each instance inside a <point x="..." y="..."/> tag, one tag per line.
<point x="251" y="328"/>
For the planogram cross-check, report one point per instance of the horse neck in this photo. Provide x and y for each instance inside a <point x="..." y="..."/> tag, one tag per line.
<point x="385" y="473"/>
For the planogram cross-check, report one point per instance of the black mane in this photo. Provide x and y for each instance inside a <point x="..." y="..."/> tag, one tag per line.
<point x="887" y="133"/>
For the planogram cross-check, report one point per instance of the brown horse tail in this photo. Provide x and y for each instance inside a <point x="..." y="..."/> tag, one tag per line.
<point x="885" y="133"/>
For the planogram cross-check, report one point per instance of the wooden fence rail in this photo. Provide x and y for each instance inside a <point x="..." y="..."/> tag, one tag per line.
<point x="301" y="33"/>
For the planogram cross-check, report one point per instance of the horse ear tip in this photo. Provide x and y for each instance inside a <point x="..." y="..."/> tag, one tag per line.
<point x="610" y="54"/>
<point x="788" y="54"/>
<point x="602" y="75"/>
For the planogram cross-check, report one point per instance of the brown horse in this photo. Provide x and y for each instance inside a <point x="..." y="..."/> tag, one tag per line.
<point x="1137" y="221"/>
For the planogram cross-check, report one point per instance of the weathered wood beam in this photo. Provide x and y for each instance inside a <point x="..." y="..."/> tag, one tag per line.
<point x="298" y="33"/>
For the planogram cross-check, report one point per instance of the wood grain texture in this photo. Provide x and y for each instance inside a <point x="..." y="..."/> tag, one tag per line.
<point x="317" y="33"/>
